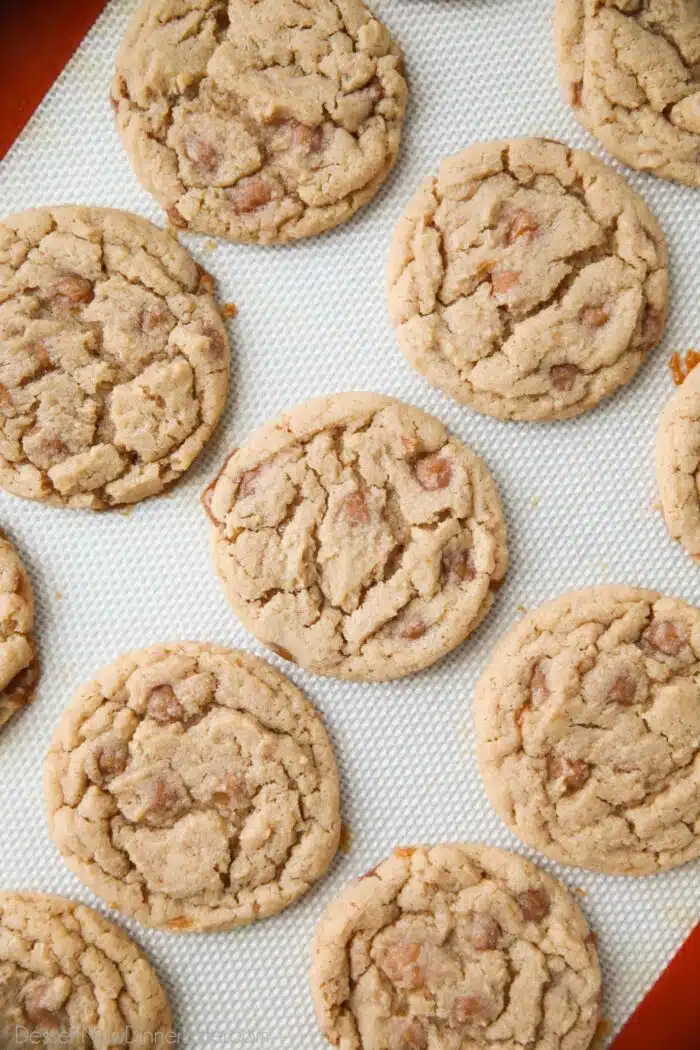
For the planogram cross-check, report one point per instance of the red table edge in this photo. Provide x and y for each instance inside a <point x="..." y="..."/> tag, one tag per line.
<point x="35" y="46"/>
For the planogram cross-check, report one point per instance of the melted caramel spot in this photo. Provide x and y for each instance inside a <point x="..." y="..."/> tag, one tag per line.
<point x="74" y="288"/>
<point x="664" y="636"/>
<point x="534" y="904"/>
<point x="594" y="316"/>
<point x="680" y="368"/>
<point x="112" y="759"/>
<point x="503" y="282"/>
<point x="433" y="472"/>
<point x="564" y="376"/>
<point x="176" y="218"/>
<point x="520" y="224"/>
<point x="482" y="931"/>
<point x="283" y="653"/>
<point x="249" y="194"/>
<point x="573" y="772"/>
<point x="163" y="706"/>
<point x="470" y="1008"/>
<point x="623" y="690"/>
<point x="458" y="565"/>
<point x="355" y="508"/>
<point x="413" y="630"/>
<point x="201" y="153"/>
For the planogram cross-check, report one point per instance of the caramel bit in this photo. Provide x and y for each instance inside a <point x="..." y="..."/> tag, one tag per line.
<point x="74" y="289"/>
<point x="623" y="691"/>
<point x="355" y="508"/>
<point x="539" y="687"/>
<point x="534" y="904"/>
<point x="406" y="1034"/>
<point x="176" y="218"/>
<point x="162" y="796"/>
<point x="112" y="759"/>
<point x="404" y="851"/>
<point x="38" y="351"/>
<point x="433" y="472"/>
<point x="345" y="840"/>
<point x="503" y="282"/>
<point x="482" y="931"/>
<point x="681" y="369"/>
<point x="594" y="316"/>
<point x="577" y="93"/>
<point x="306" y="138"/>
<point x="164" y="706"/>
<point x="400" y="964"/>
<point x="458" y="565"/>
<point x="411" y="446"/>
<point x="665" y="637"/>
<point x="150" y="318"/>
<point x="250" y="194"/>
<point x="284" y="654"/>
<point x="248" y="483"/>
<point x="520" y="223"/>
<point x="470" y="1008"/>
<point x="573" y="772"/>
<point x="201" y="154"/>
<point x="6" y="401"/>
<point x="233" y="793"/>
<point x="413" y="629"/>
<point x="181" y="922"/>
<point x="207" y="284"/>
<point x="229" y="311"/>
<point x="564" y="376"/>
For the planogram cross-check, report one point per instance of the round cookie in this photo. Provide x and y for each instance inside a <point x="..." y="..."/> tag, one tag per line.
<point x="263" y="121"/>
<point x="193" y="788"/>
<point x="527" y="280"/>
<point x="588" y="730"/>
<point x="355" y="537"/>
<point x="114" y="360"/>
<point x="678" y="464"/>
<point x="631" y="72"/>
<point x="455" y="946"/>
<point x="19" y="664"/>
<point x="68" y="977"/>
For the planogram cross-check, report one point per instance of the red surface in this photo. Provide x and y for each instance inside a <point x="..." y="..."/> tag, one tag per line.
<point x="37" y="37"/>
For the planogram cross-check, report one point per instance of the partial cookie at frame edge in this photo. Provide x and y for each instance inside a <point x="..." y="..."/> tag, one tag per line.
<point x="527" y="280"/>
<point x="42" y="999"/>
<point x="355" y="536"/>
<point x="588" y="730"/>
<point x="188" y="743"/>
<point x="19" y="662"/>
<point x="652" y="124"/>
<point x="114" y="358"/>
<point x="428" y="942"/>
<point x="678" y="463"/>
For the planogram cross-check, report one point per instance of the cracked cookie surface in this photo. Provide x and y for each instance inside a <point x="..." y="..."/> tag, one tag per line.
<point x="527" y="280"/>
<point x="452" y="946"/>
<point x="588" y="730"/>
<point x="259" y="120"/>
<point x="355" y="537"/>
<point x="193" y="788"/>
<point x="19" y="664"/>
<point x="631" y="71"/>
<point x="114" y="360"/>
<point x="68" y="977"/>
<point x="678" y="464"/>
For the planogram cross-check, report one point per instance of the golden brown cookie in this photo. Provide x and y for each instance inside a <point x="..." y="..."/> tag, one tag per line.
<point x="356" y="537"/>
<point x="588" y="730"/>
<point x="263" y="121"/>
<point x="455" y="946"/>
<point x="527" y="280"/>
<point x="193" y="788"/>
<point x="114" y="360"/>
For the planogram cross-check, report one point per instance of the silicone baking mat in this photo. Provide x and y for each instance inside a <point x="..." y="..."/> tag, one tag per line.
<point x="580" y="501"/>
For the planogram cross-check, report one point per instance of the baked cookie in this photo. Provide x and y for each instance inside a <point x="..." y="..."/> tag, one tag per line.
<point x="678" y="464"/>
<point x="631" y="72"/>
<point x="114" y="360"/>
<point x="455" y="946"/>
<point x="193" y="788"/>
<point x="355" y="537"/>
<point x="588" y="730"/>
<point x="19" y="665"/>
<point x="262" y="121"/>
<point x="527" y="280"/>
<point x="68" y="977"/>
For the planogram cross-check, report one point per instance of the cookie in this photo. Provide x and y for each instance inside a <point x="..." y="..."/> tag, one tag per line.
<point x="355" y="537"/>
<point x="68" y="977"/>
<point x="678" y="464"/>
<point x="19" y="665"/>
<point x="527" y="280"/>
<point x="455" y="946"/>
<point x="631" y="72"/>
<point x="263" y="121"/>
<point x="114" y="360"/>
<point x="588" y="730"/>
<point x="193" y="788"/>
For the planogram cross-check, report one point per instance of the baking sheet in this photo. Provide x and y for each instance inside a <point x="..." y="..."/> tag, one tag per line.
<point x="579" y="498"/>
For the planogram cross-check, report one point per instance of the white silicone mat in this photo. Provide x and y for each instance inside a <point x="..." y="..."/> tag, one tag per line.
<point x="579" y="497"/>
